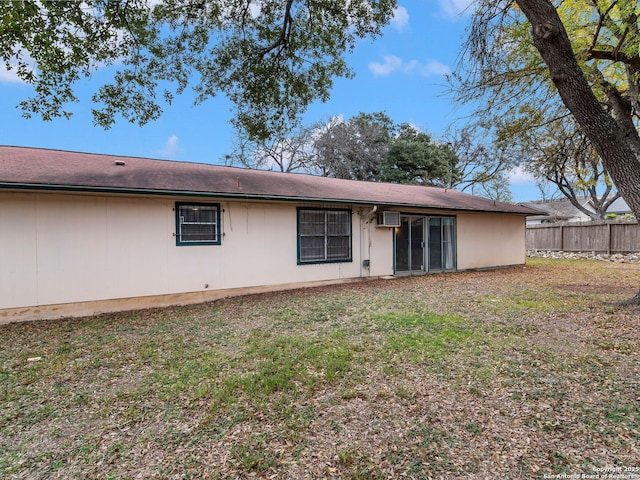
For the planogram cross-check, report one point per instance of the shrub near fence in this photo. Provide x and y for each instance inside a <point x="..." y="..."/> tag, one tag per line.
<point x="606" y="237"/>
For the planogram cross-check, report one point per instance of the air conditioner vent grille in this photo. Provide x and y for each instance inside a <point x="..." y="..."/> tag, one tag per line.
<point x="388" y="219"/>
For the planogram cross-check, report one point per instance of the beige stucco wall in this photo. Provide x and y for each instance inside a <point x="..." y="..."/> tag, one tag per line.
<point x="379" y="249"/>
<point x="64" y="248"/>
<point x="490" y="240"/>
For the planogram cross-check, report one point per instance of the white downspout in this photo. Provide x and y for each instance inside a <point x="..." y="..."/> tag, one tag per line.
<point x="363" y="221"/>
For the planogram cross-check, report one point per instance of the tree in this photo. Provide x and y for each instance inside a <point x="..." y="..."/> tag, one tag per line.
<point x="612" y="133"/>
<point x="546" y="190"/>
<point x="496" y="188"/>
<point x="371" y="147"/>
<point x="561" y="154"/>
<point x="598" y="82"/>
<point x="354" y="149"/>
<point x="553" y="149"/>
<point x="413" y="157"/>
<point x="290" y="152"/>
<point x="479" y="162"/>
<point x="366" y="147"/>
<point x="270" y="58"/>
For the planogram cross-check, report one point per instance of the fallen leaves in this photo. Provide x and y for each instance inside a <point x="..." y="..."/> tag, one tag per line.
<point x="513" y="373"/>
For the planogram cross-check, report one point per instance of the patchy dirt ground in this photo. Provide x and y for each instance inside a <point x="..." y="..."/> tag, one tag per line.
<point x="528" y="372"/>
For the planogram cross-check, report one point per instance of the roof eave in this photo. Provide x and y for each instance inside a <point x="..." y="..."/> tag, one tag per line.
<point x="244" y="196"/>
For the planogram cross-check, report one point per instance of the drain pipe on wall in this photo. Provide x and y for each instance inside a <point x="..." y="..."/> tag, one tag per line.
<point x="365" y="262"/>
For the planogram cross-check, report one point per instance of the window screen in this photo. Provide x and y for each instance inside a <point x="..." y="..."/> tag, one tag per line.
<point x="197" y="224"/>
<point x="324" y="235"/>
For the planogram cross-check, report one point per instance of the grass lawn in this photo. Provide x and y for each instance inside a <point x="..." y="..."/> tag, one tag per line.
<point x="514" y="373"/>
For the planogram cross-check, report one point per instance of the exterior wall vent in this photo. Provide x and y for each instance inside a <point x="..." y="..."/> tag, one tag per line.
<point x="388" y="219"/>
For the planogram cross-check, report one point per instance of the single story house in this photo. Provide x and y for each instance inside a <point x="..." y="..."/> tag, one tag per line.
<point x="86" y="233"/>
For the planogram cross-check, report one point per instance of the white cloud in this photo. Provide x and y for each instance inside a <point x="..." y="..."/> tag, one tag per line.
<point x="456" y="8"/>
<point x="393" y="63"/>
<point x="170" y="149"/>
<point x="11" y="76"/>
<point x="8" y="76"/>
<point x="390" y="65"/>
<point x="255" y="9"/>
<point x="400" y="20"/>
<point x="517" y="176"/>
<point x="434" y="68"/>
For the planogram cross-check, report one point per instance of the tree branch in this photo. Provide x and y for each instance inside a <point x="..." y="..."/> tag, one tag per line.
<point x="614" y="56"/>
<point x="282" y="41"/>
<point x="601" y="21"/>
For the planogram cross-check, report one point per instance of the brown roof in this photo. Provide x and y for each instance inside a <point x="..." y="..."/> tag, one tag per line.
<point x="558" y="208"/>
<point x="35" y="168"/>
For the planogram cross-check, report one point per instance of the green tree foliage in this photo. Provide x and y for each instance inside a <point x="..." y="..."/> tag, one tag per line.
<point x="413" y="157"/>
<point x="353" y="149"/>
<point x="51" y="45"/>
<point x="270" y="58"/>
<point x="371" y="147"/>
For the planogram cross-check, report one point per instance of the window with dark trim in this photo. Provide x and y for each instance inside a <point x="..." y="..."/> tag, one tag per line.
<point x="197" y="223"/>
<point x="324" y="235"/>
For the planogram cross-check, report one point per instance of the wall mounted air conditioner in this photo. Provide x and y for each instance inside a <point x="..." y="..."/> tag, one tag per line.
<point x="388" y="219"/>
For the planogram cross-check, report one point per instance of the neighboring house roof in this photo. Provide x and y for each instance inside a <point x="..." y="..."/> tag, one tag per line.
<point x="557" y="210"/>
<point x="35" y="168"/>
<point x="619" y="206"/>
<point x="562" y="210"/>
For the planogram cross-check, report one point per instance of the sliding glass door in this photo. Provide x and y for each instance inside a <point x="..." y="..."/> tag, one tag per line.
<point x="441" y="243"/>
<point x="448" y="243"/>
<point x="435" y="243"/>
<point x="409" y="249"/>
<point x="424" y="244"/>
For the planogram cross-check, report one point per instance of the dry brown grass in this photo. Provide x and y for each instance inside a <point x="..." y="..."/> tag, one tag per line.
<point x="513" y="373"/>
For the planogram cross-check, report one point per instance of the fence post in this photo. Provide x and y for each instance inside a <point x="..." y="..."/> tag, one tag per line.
<point x="609" y="238"/>
<point x="562" y="238"/>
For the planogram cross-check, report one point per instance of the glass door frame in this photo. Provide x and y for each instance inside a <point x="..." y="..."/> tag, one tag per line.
<point x="447" y="244"/>
<point x="410" y="255"/>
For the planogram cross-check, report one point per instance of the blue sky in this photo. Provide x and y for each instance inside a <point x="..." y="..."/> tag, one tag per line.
<point x="401" y="73"/>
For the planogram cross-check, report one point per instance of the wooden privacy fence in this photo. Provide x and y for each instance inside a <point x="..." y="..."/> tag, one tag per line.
<point x="585" y="237"/>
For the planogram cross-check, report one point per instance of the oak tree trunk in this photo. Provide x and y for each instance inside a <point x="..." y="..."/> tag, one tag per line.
<point x="615" y="139"/>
